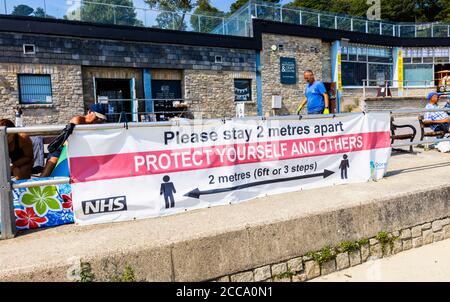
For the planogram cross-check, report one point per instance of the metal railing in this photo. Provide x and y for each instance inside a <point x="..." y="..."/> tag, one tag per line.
<point x="402" y="88"/>
<point x="239" y="24"/>
<point x="148" y="110"/>
<point x="7" y="216"/>
<point x="311" y="17"/>
<point x="106" y="13"/>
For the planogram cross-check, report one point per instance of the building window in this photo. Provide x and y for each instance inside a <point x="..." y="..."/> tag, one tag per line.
<point x="242" y="90"/>
<point x="360" y="63"/>
<point x="35" y="89"/>
<point x="418" y="74"/>
<point x="353" y="73"/>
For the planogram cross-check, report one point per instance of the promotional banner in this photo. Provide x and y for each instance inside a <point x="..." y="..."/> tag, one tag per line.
<point x="126" y="174"/>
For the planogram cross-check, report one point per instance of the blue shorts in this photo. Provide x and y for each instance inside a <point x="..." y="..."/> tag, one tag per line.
<point x="442" y="127"/>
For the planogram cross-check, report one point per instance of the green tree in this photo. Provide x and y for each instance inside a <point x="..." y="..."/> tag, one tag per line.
<point x="22" y="10"/>
<point x="206" y="17"/>
<point x="444" y="14"/>
<point x="239" y="3"/>
<point x="111" y="12"/>
<point x="174" y="14"/>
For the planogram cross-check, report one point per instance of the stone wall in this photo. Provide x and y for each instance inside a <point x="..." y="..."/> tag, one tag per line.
<point x="348" y="254"/>
<point x="212" y="93"/>
<point x="308" y="53"/>
<point x="107" y="53"/>
<point x="67" y="93"/>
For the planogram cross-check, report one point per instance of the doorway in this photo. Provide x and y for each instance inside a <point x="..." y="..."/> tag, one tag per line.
<point x="164" y="93"/>
<point x="119" y="95"/>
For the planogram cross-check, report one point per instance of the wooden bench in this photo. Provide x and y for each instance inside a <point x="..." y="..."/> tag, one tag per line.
<point x="426" y="124"/>
<point x="409" y="136"/>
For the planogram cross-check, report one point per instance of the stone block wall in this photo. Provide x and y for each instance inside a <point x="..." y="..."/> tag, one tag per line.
<point x="67" y="93"/>
<point x="107" y="53"/>
<point x="211" y="93"/>
<point x="308" y="53"/>
<point x="303" y="268"/>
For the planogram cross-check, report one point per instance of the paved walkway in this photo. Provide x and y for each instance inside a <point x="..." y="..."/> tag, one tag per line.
<point x="429" y="263"/>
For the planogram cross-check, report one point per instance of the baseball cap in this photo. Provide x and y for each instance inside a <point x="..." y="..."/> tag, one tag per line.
<point x="99" y="110"/>
<point x="431" y="94"/>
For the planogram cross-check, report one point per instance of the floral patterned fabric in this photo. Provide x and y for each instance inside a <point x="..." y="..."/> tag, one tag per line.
<point x="39" y="207"/>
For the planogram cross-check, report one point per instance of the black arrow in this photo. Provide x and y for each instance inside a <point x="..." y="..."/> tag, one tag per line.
<point x="196" y="192"/>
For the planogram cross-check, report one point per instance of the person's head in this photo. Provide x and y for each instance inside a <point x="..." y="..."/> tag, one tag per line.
<point x="96" y="114"/>
<point x="433" y="97"/>
<point x="166" y="178"/>
<point x="309" y="76"/>
<point x="345" y="156"/>
<point x="8" y="124"/>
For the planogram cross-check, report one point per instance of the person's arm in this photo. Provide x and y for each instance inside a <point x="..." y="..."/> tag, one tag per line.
<point x="447" y="120"/>
<point x="327" y="103"/>
<point x="78" y="120"/>
<point x="302" y="104"/>
<point x="27" y="147"/>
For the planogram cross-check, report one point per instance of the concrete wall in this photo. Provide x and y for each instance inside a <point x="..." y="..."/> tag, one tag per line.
<point x="309" y="54"/>
<point x="67" y="93"/>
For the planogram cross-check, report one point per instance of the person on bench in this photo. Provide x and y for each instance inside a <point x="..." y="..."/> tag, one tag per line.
<point x="95" y="115"/>
<point x="20" y="150"/>
<point x="439" y="120"/>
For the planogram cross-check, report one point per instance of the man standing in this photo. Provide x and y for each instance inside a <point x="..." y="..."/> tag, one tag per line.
<point x="316" y="96"/>
<point x="440" y="120"/>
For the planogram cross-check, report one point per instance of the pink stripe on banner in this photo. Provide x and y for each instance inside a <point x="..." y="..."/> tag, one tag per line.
<point x="92" y="168"/>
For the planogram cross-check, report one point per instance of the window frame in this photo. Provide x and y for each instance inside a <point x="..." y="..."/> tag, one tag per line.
<point x="21" y="102"/>
<point x="250" y="87"/>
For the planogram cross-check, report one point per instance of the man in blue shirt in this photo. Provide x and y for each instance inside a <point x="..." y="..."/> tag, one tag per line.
<point x="316" y="96"/>
<point x="440" y="119"/>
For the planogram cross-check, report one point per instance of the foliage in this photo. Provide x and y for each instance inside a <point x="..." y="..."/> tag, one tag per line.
<point x="22" y="10"/>
<point x="110" y="14"/>
<point x="203" y="23"/>
<point x="174" y="12"/>
<point x="86" y="274"/>
<point x="348" y="246"/>
<point x="324" y="255"/>
<point x="385" y="239"/>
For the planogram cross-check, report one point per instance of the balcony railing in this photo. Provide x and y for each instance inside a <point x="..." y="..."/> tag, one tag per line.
<point x="239" y="24"/>
<point x="92" y="11"/>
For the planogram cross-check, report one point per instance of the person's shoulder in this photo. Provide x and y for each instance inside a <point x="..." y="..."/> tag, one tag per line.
<point x="25" y="138"/>
<point x="77" y="120"/>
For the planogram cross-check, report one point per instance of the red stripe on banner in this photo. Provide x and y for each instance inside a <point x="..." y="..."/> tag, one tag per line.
<point x="124" y="165"/>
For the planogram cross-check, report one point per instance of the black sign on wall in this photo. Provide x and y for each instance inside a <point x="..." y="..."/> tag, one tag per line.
<point x="288" y="71"/>
<point x="242" y="90"/>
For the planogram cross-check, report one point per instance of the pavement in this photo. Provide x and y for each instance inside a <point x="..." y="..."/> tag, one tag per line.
<point x="429" y="263"/>
<point x="210" y="243"/>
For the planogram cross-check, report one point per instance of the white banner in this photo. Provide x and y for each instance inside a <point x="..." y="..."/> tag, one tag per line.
<point x="145" y="172"/>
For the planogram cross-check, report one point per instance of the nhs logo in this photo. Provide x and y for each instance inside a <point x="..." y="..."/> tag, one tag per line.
<point x="105" y="205"/>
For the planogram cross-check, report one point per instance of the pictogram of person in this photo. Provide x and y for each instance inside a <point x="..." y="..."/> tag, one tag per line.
<point x="167" y="188"/>
<point x="344" y="166"/>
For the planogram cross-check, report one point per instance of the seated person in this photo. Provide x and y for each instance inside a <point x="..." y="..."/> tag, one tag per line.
<point x="440" y="119"/>
<point x="95" y="115"/>
<point x="21" y="153"/>
<point x="447" y="105"/>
